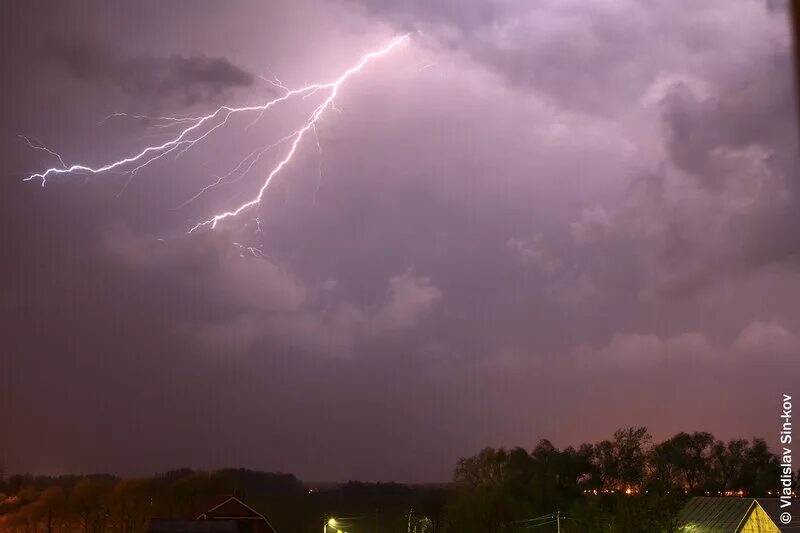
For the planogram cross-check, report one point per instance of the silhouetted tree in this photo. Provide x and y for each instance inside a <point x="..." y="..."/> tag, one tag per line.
<point x="494" y="491"/>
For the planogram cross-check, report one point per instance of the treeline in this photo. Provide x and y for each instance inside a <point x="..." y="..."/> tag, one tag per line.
<point x="624" y="484"/>
<point x="104" y="503"/>
<point x="108" y="504"/>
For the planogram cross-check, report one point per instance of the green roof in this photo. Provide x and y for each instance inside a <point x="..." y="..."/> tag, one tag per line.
<point x="714" y="515"/>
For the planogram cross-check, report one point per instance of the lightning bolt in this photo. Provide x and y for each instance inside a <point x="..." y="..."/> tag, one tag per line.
<point x="300" y="133"/>
<point x="40" y="146"/>
<point x="196" y="129"/>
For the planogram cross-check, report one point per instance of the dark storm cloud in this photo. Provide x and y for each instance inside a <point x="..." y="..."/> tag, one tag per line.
<point x="751" y="122"/>
<point x="412" y="14"/>
<point x="585" y="57"/>
<point x="529" y="201"/>
<point x="160" y="80"/>
<point x="779" y="6"/>
<point x="721" y="204"/>
<point x="575" y="54"/>
<point x="753" y="110"/>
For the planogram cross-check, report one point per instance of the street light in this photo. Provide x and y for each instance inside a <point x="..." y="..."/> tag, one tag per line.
<point x="332" y="523"/>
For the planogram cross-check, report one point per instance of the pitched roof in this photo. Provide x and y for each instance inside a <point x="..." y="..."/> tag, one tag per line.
<point x="228" y="506"/>
<point x="715" y="515"/>
<point x="207" y="504"/>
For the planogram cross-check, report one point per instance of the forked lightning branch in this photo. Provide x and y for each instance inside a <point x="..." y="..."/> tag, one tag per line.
<point x="198" y="128"/>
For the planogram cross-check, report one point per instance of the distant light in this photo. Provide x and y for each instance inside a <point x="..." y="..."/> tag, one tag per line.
<point x="332" y="522"/>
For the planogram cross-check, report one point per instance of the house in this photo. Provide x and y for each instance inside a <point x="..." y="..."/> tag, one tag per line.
<point x="725" y="515"/>
<point x="222" y="514"/>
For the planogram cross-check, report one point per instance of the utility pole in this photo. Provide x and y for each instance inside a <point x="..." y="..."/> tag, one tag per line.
<point x="558" y="521"/>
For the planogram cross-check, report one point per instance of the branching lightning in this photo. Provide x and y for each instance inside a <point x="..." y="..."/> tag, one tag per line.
<point x="196" y="129"/>
<point x="298" y="135"/>
<point x="39" y="146"/>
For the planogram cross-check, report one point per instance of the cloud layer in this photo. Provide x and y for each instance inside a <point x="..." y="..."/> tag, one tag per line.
<point x="544" y="219"/>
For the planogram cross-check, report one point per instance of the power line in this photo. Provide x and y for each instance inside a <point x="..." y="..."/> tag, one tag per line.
<point x="554" y="521"/>
<point x="525" y="520"/>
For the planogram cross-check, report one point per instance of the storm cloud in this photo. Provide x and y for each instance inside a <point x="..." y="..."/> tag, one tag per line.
<point x="545" y="219"/>
<point x="159" y="81"/>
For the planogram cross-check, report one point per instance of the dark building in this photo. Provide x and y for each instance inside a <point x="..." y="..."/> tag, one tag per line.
<point x="169" y="525"/>
<point x="223" y="514"/>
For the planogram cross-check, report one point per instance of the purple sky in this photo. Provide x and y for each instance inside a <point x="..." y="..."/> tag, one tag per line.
<point x="535" y="219"/>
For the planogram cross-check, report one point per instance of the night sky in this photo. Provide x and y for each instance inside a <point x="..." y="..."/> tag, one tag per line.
<point x="533" y="219"/>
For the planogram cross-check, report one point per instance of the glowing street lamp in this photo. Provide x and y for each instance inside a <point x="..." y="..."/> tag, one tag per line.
<point x="332" y="523"/>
